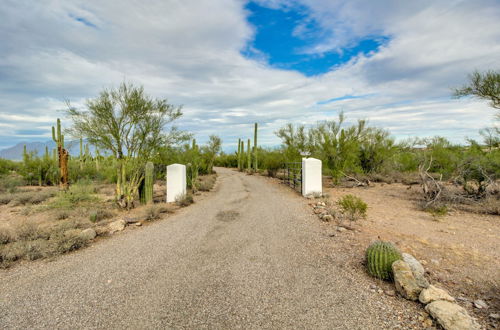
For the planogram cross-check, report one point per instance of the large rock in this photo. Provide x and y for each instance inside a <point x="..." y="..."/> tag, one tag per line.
<point x="432" y="294"/>
<point x="88" y="234"/>
<point x="417" y="269"/>
<point x="451" y="316"/>
<point x="406" y="284"/>
<point x="118" y="225"/>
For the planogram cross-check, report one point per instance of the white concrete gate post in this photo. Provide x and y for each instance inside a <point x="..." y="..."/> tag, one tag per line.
<point x="176" y="181"/>
<point x="311" y="177"/>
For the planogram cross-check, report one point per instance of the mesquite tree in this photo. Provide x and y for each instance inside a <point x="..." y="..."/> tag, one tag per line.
<point x="131" y="125"/>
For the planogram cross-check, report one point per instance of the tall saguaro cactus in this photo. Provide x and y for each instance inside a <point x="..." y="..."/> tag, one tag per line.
<point x="239" y="154"/>
<point x="255" y="162"/>
<point x="148" y="183"/>
<point x="58" y="138"/>
<point x="249" y="157"/>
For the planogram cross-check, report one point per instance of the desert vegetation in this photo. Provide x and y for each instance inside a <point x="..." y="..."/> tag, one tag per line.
<point x="453" y="175"/>
<point x="57" y="202"/>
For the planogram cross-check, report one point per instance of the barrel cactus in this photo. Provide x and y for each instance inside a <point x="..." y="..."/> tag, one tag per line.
<point x="379" y="257"/>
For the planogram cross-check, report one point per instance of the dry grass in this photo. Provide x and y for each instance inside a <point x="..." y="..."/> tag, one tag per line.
<point x="154" y="212"/>
<point x="184" y="200"/>
<point x="206" y="182"/>
<point x="30" y="241"/>
<point x="26" y="197"/>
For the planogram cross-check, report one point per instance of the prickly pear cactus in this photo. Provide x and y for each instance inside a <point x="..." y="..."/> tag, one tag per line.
<point x="379" y="258"/>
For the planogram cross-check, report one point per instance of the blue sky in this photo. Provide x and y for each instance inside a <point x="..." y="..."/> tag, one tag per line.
<point x="284" y="36"/>
<point x="231" y="63"/>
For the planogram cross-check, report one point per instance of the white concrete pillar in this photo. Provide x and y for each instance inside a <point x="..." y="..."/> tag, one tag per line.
<point x="176" y="181"/>
<point x="311" y="176"/>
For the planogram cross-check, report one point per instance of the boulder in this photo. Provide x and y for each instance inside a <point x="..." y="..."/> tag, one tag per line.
<point x="417" y="269"/>
<point x="451" y="316"/>
<point x="406" y="284"/>
<point x="115" y="226"/>
<point x="433" y="293"/>
<point x="88" y="234"/>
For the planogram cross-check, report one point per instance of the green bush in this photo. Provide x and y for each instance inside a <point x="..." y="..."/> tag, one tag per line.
<point x="10" y="183"/>
<point x="82" y="192"/>
<point x="100" y="214"/>
<point x="353" y="207"/>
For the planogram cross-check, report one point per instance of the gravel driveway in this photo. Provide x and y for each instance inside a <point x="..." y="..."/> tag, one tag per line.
<point x="250" y="255"/>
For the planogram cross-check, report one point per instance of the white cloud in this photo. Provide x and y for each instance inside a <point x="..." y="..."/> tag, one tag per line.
<point x="189" y="52"/>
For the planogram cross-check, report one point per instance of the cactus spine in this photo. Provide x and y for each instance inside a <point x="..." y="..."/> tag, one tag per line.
<point x="148" y="183"/>
<point x="255" y="162"/>
<point x="249" y="156"/>
<point x="379" y="259"/>
<point x="58" y="138"/>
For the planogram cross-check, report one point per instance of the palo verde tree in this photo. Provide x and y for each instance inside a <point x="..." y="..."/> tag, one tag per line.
<point x="132" y="126"/>
<point x="485" y="86"/>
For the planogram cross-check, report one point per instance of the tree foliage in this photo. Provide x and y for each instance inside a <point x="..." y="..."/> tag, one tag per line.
<point x="131" y="125"/>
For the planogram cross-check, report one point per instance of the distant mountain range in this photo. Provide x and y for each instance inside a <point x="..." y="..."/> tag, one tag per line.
<point x="16" y="152"/>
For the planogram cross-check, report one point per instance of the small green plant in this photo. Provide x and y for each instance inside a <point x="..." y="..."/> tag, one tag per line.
<point x="379" y="259"/>
<point x="100" y="214"/>
<point x="352" y="207"/>
<point x="437" y="211"/>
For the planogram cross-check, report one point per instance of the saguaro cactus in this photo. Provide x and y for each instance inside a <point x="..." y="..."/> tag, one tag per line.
<point x="81" y="154"/>
<point x="97" y="156"/>
<point x="255" y="162"/>
<point x="149" y="180"/>
<point x="249" y="156"/>
<point x="58" y="138"/>
<point x="239" y="154"/>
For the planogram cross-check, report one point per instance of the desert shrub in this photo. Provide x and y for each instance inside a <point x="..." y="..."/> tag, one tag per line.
<point x="6" y="198"/>
<point x="29" y="231"/>
<point x="62" y="214"/>
<point x="184" y="200"/>
<point x="67" y="241"/>
<point x="437" y="210"/>
<point x="226" y="160"/>
<point x="32" y="197"/>
<point x="272" y="161"/>
<point x="79" y="193"/>
<point x="100" y="214"/>
<point x="153" y="212"/>
<point x="206" y="182"/>
<point x="6" y="235"/>
<point x="353" y="207"/>
<point x="7" y="166"/>
<point x="10" y="183"/>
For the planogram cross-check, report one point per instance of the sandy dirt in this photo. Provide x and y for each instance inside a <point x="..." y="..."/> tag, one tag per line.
<point x="460" y="251"/>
